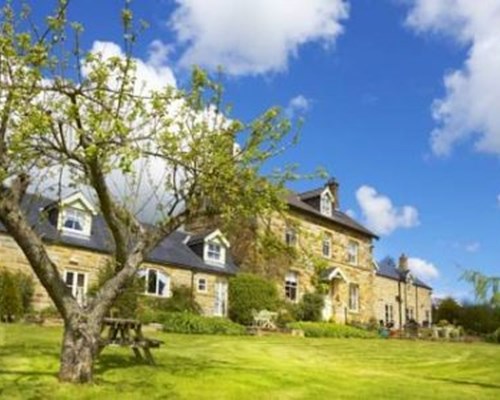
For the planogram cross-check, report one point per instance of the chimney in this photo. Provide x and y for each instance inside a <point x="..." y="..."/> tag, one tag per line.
<point x="403" y="263"/>
<point x="333" y="185"/>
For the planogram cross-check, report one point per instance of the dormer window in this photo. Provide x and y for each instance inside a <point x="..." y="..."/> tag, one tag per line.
<point x="74" y="220"/>
<point x="215" y="247"/>
<point x="326" y="203"/>
<point x="214" y="252"/>
<point x="74" y="215"/>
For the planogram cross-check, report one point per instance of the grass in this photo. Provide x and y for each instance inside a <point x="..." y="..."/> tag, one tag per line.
<point x="275" y="367"/>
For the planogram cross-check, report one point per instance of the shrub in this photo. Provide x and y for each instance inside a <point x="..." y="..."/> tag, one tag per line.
<point x="191" y="323"/>
<point x="151" y="308"/>
<point x="248" y="293"/>
<point x="494" y="337"/>
<point x="26" y="287"/>
<point x="310" y="307"/>
<point x="326" y="329"/>
<point x="50" y="312"/>
<point x="16" y="295"/>
<point x="10" y="298"/>
<point x="480" y="318"/>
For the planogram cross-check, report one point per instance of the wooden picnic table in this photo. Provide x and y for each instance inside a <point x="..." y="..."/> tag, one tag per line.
<point x="128" y="333"/>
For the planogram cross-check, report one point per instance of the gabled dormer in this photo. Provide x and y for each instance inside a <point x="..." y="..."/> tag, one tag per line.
<point x="72" y="215"/>
<point x="324" y="199"/>
<point x="212" y="246"/>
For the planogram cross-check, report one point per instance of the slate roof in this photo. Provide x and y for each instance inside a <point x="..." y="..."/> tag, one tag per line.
<point x="173" y="250"/>
<point x="199" y="237"/>
<point x="295" y="201"/>
<point x="387" y="270"/>
<point x="311" y="193"/>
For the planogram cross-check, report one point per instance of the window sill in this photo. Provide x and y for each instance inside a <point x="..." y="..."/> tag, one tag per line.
<point x="74" y="233"/>
<point x="158" y="296"/>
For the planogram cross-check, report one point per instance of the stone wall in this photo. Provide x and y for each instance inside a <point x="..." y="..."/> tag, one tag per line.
<point x="415" y="298"/>
<point x="89" y="262"/>
<point x="311" y="231"/>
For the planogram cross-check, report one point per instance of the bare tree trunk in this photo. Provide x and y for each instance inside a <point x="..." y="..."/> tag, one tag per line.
<point x="80" y="348"/>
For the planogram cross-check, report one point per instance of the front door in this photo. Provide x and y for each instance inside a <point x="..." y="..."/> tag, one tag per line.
<point x="327" y="312"/>
<point x="220" y="307"/>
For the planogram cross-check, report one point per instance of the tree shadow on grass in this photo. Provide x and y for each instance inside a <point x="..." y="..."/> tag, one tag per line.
<point x="464" y="382"/>
<point x="174" y="365"/>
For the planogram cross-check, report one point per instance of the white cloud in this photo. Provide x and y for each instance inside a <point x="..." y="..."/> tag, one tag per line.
<point x="249" y="37"/>
<point x="423" y="269"/>
<point x="351" y="213"/>
<point x="152" y="74"/>
<point x="498" y="200"/>
<point x="469" y="108"/>
<point x="298" y="105"/>
<point x="381" y="215"/>
<point x="472" y="247"/>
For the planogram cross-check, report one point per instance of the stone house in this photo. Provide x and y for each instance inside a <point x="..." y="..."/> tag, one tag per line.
<point x="336" y="253"/>
<point x="333" y="253"/>
<point x="78" y="241"/>
<point x="401" y="296"/>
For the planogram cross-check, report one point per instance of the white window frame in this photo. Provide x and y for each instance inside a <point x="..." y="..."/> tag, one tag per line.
<point x="353" y="252"/>
<point x="80" y="216"/>
<point x="80" y="297"/>
<point x="291" y="236"/>
<point x="291" y="286"/>
<point x="215" y="239"/>
<point x="409" y="313"/>
<point x="326" y="244"/>
<point x="214" y="252"/>
<point x="389" y="314"/>
<point x="353" y="297"/>
<point x="145" y="272"/>
<point x="326" y="206"/>
<point x="202" y="288"/>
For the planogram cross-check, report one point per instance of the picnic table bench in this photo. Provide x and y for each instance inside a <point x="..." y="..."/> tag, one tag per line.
<point x="128" y="333"/>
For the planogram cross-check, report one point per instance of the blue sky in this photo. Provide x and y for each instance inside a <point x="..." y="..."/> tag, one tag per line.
<point x="373" y="79"/>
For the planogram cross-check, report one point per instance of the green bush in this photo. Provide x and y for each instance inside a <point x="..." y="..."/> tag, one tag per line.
<point x="479" y="318"/>
<point x="327" y="329"/>
<point x="16" y="295"/>
<point x="151" y="309"/>
<point x="494" y="337"/>
<point x="310" y="307"/>
<point x="181" y="300"/>
<point x="26" y="287"/>
<point x="191" y="323"/>
<point x="248" y="293"/>
<point x="50" y="312"/>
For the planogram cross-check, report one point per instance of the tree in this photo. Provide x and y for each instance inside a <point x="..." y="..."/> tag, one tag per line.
<point x="86" y="117"/>
<point x="449" y="310"/>
<point x="486" y="288"/>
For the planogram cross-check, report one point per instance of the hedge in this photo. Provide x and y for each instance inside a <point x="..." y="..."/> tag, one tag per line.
<point x="327" y="329"/>
<point x="16" y="295"/>
<point x="248" y="293"/>
<point x="197" y="324"/>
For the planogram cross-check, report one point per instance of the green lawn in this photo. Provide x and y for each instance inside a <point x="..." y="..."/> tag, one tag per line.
<point x="218" y="367"/>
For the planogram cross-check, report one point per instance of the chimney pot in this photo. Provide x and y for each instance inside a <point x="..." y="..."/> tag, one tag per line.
<point x="403" y="263"/>
<point x="333" y="185"/>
